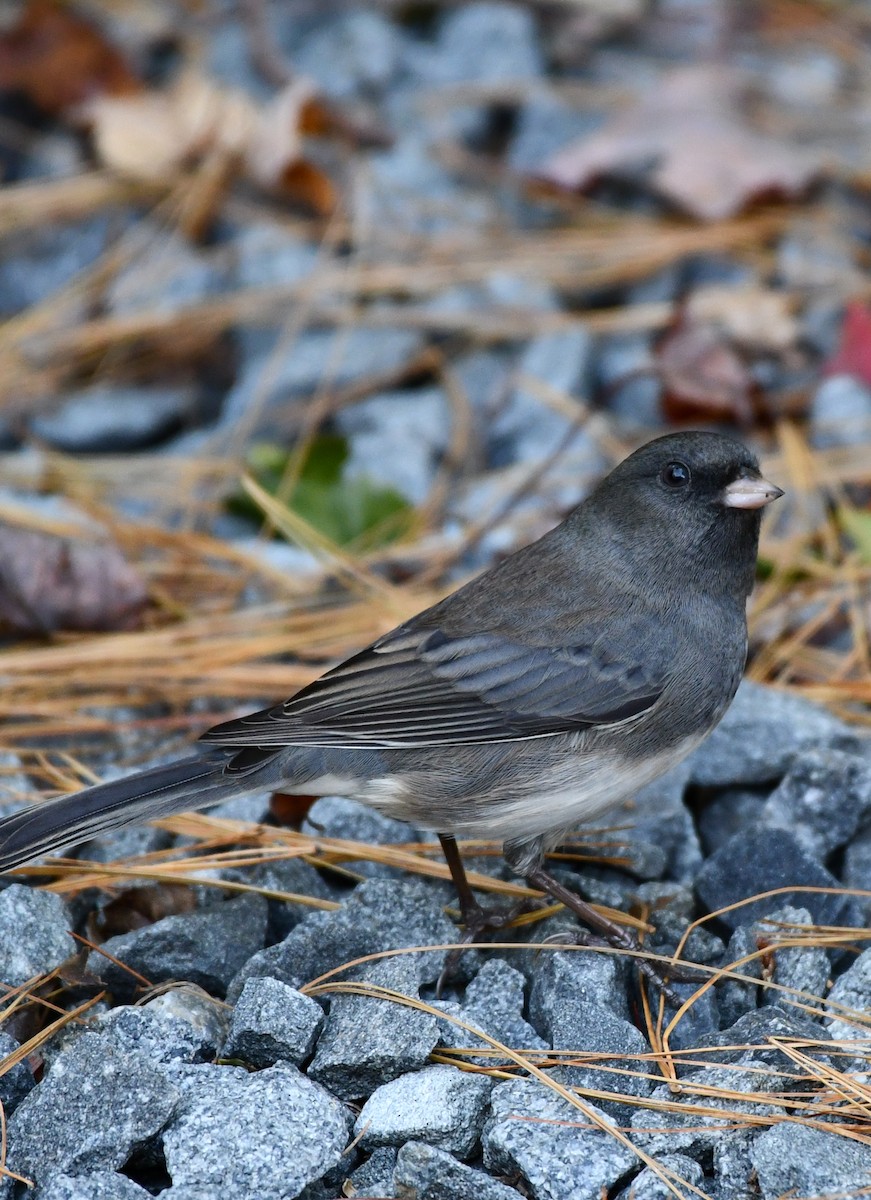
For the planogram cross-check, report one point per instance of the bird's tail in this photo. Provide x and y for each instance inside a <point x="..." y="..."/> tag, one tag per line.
<point x="159" y="792"/>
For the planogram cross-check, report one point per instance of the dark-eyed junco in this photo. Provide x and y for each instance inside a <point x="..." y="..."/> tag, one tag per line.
<point x="538" y="696"/>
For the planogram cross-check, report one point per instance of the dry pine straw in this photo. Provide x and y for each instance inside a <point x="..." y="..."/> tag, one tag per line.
<point x="200" y="652"/>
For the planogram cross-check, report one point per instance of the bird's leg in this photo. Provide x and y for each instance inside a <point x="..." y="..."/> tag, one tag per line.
<point x="615" y="935"/>
<point x="476" y="918"/>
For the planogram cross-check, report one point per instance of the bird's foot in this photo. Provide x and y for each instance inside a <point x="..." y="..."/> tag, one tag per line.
<point x="479" y="925"/>
<point x="659" y="974"/>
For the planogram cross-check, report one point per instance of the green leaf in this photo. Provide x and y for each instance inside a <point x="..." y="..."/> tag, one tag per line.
<point x="857" y="525"/>
<point x="347" y="511"/>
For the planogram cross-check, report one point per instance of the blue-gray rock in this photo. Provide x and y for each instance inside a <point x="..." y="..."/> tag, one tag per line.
<point x="107" y="418"/>
<point x="527" y="428"/>
<point x="840" y="412"/>
<point x="375" y="1176"/>
<point x="626" y="381"/>
<point x="291" y="876"/>
<point x="380" y="914"/>
<point x="440" y="1105"/>
<point x="856" y="871"/>
<point x="578" y="1001"/>
<point x="16" y="1082"/>
<point x="427" y="1173"/>
<point x="272" y="1023"/>
<point x="671" y="910"/>
<point x="488" y="41"/>
<point x="181" y="1025"/>
<point x="804" y="969"/>
<point x="535" y="1132"/>
<point x="792" y="1159"/>
<point x="757" y="1034"/>
<point x="99" y="1185"/>
<point x="760" y="736"/>
<point x="266" y="1134"/>
<point x="409" y="191"/>
<point x="170" y="275"/>
<point x="546" y="123"/>
<point x="659" y="818"/>
<point x="494" y="1003"/>
<point x="397" y="439"/>
<point x="677" y="1126"/>
<point x="369" y="1040"/>
<point x="269" y="256"/>
<point x="37" y="263"/>
<point x="356" y="54"/>
<point x="568" y="977"/>
<point x="317" y="357"/>
<point x="207" y="947"/>
<point x="821" y="800"/>
<point x="755" y="861"/>
<point x="734" y="1172"/>
<point x="94" y="1106"/>
<point x="647" y="1185"/>
<point x="726" y="814"/>
<point x="34" y="933"/>
<point x="851" y="994"/>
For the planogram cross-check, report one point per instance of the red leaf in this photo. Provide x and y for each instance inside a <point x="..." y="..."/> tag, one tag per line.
<point x="59" y="60"/>
<point x="853" y="356"/>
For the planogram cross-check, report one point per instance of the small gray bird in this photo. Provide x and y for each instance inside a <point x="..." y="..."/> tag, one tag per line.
<point x="540" y="695"/>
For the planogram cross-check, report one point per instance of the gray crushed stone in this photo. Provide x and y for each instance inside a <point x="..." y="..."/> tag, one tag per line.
<point x="285" y="1131"/>
<point x="207" y="947"/>
<point x="556" y="1152"/>
<point x="34" y="933"/>
<point x="440" y="1105"/>
<point x="272" y="1022"/>
<point x="427" y="1173"/>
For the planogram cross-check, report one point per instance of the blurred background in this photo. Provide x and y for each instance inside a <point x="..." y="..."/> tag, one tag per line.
<point x="312" y="309"/>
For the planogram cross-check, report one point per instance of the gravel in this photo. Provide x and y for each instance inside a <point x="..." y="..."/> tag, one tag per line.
<point x="755" y="861"/>
<point x="98" y="1185"/>
<point x="369" y="1040"/>
<point x="34" y="933"/>
<point x="272" y="1022"/>
<point x="427" y="1173"/>
<point x="266" y="1134"/>
<point x="791" y="1159"/>
<point x="207" y="947"/>
<point x="440" y="1105"/>
<point x="96" y="1104"/>
<point x="536" y="1132"/>
<point x="453" y="386"/>
<point x="760" y="736"/>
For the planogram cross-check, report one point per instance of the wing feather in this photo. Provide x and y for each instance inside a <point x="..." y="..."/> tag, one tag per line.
<point x="423" y="687"/>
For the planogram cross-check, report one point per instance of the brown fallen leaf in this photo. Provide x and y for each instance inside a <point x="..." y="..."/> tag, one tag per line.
<point x="156" y="134"/>
<point x="690" y="138"/>
<point x="703" y="377"/>
<point x="58" y="59"/>
<point x="49" y="583"/>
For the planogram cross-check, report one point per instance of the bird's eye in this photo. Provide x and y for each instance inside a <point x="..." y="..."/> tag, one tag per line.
<point x="675" y="475"/>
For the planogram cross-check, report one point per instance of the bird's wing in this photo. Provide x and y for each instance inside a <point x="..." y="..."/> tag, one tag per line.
<point x="425" y="688"/>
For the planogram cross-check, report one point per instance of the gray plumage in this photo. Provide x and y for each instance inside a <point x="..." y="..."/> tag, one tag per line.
<point x="538" y="696"/>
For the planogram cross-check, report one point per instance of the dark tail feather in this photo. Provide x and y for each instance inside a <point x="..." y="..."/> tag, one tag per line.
<point x="160" y="792"/>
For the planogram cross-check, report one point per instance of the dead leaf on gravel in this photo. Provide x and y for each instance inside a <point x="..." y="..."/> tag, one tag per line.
<point x="703" y="377"/>
<point x="156" y="134"/>
<point x="691" y="140"/>
<point x="753" y="317"/>
<point x="58" y="59"/>
<point x="50" y="583"/>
